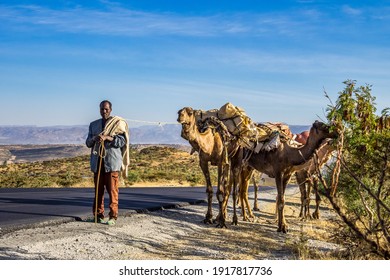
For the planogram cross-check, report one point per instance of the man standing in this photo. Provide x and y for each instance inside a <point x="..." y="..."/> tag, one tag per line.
<point x="108" y="139"/>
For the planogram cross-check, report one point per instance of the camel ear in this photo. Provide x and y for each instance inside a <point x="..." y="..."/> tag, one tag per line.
<point x="189" y="111"/>
<point x="318" y="125"/>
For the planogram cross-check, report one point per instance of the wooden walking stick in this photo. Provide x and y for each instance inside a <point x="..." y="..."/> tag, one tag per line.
<point x="101" y="156"/>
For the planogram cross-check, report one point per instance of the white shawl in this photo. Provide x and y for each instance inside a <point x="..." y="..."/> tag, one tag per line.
<point x="114" y="126"/>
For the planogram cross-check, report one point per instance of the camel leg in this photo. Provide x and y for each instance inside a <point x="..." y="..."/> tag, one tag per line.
<point x="209" y="190"/>
<point x="281" y="187"/>
<point x="316" y="214"/>
<point x="227" y="194"/>
<point x="302" y="189"/>
<point x="241" y="194"/>
<point x="236" y="179"/>
<point x="223" y="171"/>
<point x="238" y="198"/>
<point x="235" y="219"/>
<point x="256" y="203"/>
<point x="245" y="178"/>
<point x="308" y="193"/>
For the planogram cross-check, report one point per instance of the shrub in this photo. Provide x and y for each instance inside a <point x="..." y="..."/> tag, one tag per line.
<point x="359" y="184"/>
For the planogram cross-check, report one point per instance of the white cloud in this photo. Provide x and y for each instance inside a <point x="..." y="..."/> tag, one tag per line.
<point x="351" y="11"/>
<point x="124" y="22"/>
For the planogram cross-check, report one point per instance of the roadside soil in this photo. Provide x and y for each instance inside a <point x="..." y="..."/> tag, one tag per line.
<point x="180" y="234"/>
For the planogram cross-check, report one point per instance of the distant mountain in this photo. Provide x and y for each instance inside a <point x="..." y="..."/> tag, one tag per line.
<point x="25" y="135"/>
<point x="43" y="135"/>
<point x="149" y="134"/>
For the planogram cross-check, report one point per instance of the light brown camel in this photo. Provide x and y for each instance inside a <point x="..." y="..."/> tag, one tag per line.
<point x="307" y="179"/>
<point x="280" y="164"/>
<point x="210" y="147"/>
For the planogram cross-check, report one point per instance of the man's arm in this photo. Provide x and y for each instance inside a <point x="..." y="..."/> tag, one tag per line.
<point x="118" y="141"/>
<point x="91" y="139"/>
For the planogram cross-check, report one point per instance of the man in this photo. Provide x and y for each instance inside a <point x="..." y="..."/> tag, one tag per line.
<point x="108" y="139"/>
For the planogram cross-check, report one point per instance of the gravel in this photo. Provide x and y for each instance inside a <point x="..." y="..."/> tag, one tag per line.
<point x="177" y="233"/>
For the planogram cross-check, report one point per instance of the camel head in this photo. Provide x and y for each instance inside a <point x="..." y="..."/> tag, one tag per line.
<point x="320" y="130"/>
<point x="186" y="117"/>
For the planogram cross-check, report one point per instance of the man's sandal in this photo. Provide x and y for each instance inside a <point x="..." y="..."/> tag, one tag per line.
<point x="92" y="220"/>
<point x="111" y="222"/>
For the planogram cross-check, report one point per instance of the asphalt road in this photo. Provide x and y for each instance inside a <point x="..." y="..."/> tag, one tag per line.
<point x="21" y="208"/>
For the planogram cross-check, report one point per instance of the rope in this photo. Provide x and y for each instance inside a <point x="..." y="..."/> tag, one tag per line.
<point x="102" y="155"/>
<point x="152" y="122"/>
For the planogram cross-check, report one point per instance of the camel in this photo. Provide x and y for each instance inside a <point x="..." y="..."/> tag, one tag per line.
<point x="280" y="164"/>
<point x="210" y="147"/>
<point x="292" y="139"/>
<point x="307" y="178"/>
<point x="299" y="138"/>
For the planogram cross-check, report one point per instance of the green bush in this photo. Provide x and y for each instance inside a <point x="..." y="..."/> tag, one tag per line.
<point x="359" y="186"/>
<point x="133" y="177"/>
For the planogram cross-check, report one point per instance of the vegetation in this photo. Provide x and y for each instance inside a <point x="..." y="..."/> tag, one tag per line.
<point x="165" y="165"/>
<point x="54" y="173"/>
<point x="358" y="186"/>
<point x="160" y="165"/>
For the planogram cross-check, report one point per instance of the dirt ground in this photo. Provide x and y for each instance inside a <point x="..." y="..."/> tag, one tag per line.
<point x="179" y="234"/>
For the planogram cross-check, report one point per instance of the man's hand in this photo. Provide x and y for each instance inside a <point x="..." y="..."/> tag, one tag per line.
<point x="101" y="138"/>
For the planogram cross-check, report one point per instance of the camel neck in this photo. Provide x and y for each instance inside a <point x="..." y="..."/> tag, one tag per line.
<point x="305" y="153"/>
<point x="200" y="141"/>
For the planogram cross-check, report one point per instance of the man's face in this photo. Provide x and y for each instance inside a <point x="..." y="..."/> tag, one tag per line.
<point x="105" y="110"/>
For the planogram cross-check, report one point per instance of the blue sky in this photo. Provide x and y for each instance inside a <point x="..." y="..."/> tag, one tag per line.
<point x="59" y="59"/>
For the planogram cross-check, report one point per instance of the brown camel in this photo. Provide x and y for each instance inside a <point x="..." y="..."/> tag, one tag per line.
<point x="210" y="147"/>
<point x="307" y="179"/>
<point x="280" y="164"/>
<point x="288" y="136"/>
<point x="296" y="140"/>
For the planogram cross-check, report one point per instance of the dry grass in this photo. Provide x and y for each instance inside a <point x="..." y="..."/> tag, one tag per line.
<point x="149" y="166"/>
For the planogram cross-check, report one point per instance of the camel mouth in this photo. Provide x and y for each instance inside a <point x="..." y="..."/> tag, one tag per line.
<point x="329" y="141"/>
<point x="183" y="123"/>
